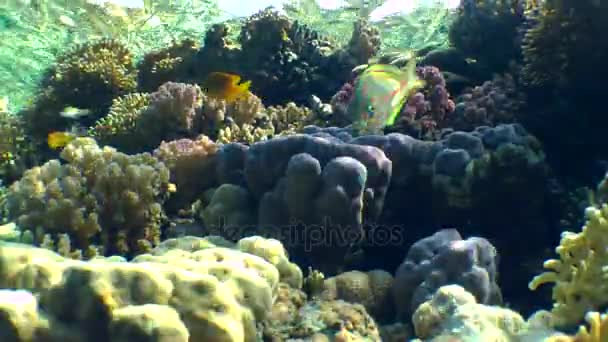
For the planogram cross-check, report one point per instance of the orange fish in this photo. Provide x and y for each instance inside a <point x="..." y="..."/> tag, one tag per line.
<point x="225" y="86"/>
<point x="57" y="140"/>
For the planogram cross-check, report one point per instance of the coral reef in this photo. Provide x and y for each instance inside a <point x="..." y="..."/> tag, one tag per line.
<point x="212" y="293"/>
<point x="452" y="314"/>
<point x="498" y="101"/>
<point x="117" y="128"/>
<point x="192" y="167"/>
<point x="371" y="289"/>
<point x="466" y="180"/>
<point x="92" y="75"/>
<point x="488" y="30"/>
<point x="427" y="111"/>
<point x="579" y="271"/>
<point x="286" y="61"/>
<point x="562" y="44"/>
<point x="100" y="199"/>
<point x="17" y="152"/>
<point x="312" y="191"/>
<point x="173" y="63"/>
<point x="444" y="258"/>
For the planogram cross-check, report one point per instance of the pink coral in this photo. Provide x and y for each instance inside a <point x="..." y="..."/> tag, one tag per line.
<point x="192" y="166"/>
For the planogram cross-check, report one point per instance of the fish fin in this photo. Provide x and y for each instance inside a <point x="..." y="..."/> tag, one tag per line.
<point x="245" y="86"/>
<point x="387" y="68"/>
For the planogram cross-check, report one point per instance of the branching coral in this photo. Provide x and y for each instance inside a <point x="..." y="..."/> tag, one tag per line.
<point x="91" y="75"/>
<point x="579" y="274"/>
<point x="492" y="103"/>
<point x="171" y="64"/>
<point x="192" y="166"/>
<point x="101" y="197"/>
<point x="427" y="112"/>
<point x="118" y="127"/>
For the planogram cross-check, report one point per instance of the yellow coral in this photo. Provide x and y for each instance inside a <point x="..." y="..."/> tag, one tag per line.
<point x="598" y="330"/>
<point x="580" y="274"/>
<point x="244" y="134"/>
<point x="118" y="126"/>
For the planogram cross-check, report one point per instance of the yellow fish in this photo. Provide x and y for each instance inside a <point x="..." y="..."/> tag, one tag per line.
<point x="57" y="140"/>
<point x="225" y="86"/>
<point x="380" y="93"/>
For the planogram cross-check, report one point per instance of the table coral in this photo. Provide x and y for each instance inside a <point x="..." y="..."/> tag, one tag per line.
<point x="580" y="272"/>
<point x="100" y="197"/>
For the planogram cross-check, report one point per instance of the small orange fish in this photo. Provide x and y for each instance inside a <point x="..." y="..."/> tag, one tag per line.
<point x="225" y="86"/>
<point x="57" y="140"/>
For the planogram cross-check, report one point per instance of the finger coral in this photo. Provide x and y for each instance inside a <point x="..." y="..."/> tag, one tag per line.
<point x="578" y="276"/>
<point x="100" y="198"/>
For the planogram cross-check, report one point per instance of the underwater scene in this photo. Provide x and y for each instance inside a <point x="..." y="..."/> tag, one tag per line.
<point x="303" y="170"/>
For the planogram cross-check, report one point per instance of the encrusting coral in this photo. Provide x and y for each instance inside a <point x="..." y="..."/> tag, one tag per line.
<point x="100" y="198"/>
<point x="220" y="293"/>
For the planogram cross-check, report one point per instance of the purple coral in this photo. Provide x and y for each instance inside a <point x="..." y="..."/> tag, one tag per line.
<point x="339" y="102"/>
<point x="446" y="258"/>
<point x="492" y="103"/>
<point x="429" y="109"/>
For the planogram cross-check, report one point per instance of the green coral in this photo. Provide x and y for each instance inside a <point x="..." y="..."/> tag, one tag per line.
<point x="100" y="198"/>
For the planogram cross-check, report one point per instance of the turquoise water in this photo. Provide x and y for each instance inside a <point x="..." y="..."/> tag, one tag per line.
<point x="34" y="33"/>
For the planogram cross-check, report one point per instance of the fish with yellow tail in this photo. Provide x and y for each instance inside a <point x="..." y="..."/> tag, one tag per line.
<point x="379" y="94"/>
<point x="225" y="86"/>
<point x="57" y="140"/>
